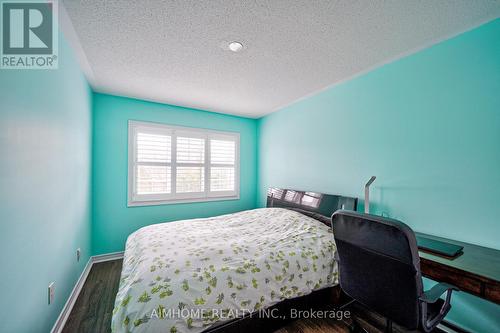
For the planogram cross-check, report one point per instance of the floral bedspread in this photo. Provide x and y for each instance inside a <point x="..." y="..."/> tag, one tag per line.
<point x="185" y="276"/>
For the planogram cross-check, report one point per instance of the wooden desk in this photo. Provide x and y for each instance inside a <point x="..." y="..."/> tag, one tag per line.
<point x="476" y="271"/>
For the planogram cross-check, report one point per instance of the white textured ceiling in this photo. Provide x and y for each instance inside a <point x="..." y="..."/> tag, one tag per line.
<point x="176" y="51"/>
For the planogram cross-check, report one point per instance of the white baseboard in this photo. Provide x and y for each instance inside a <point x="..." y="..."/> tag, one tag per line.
<point x="66" y="310"/>
<point x="107" y="257"/>
<point x="63" y="316"/>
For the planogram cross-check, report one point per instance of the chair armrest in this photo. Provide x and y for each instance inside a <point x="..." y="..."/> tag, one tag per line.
<point x="433" y="294"/>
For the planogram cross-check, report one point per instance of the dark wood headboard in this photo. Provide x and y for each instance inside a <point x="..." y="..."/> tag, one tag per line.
<point x="317" y="205"/>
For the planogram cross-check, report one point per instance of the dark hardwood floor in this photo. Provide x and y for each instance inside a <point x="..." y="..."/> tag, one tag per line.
<point x="94" y="308"/>
<point x="370" y="322"/>
<point x="314" y="326"/>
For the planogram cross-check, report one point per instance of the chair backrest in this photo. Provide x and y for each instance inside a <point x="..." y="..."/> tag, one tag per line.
<point x="379" y="265"/>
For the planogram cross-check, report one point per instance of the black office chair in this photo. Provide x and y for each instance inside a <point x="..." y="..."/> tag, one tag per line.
<point x="380" y="268"/>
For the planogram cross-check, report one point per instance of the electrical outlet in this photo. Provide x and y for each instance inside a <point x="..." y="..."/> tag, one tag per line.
<point x="52" y="292"/>
<point x="78" y="254"/>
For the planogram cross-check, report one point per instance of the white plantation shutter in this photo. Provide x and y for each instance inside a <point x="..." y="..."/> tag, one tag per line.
<point x="153" y="157"/>
<point x="171" y="164"/>
<point x="153" y="147"/>
<point x="223" y="152"/>
<point x="190" y="150"/>
<point x="222" y="178"/>
<point x="190" y="174"/>
<point x="190" y="179"/>
<point x="153" y="179"/>
<point x="222" y="165"/>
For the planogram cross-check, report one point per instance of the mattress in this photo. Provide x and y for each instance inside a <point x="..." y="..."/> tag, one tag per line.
<point x="189" y="275"/>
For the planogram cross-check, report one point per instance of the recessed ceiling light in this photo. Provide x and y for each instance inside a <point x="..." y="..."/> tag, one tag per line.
<point x="235" y="46"/>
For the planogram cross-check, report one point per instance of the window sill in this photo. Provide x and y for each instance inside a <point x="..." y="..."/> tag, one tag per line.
<point x="137" y="203"/>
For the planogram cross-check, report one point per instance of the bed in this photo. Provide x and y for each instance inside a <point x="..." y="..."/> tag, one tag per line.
<point x="206" y="274"/>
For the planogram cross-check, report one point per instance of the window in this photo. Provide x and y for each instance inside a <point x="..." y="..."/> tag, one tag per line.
<point x="169" y="164"/>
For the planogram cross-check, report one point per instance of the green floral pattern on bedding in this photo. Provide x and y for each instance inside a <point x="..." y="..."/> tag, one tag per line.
<point x="243" y="261"/>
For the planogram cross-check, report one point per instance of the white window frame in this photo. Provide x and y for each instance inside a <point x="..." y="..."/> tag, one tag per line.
<point x="135" y="199"/>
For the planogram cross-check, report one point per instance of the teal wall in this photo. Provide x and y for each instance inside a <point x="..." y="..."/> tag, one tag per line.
<point x="112" y="220"/>
<point x="427" y="125"/>
<point x="45" y="143"/>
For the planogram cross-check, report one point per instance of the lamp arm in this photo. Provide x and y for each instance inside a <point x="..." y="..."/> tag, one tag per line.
<point x="367" y="194"/>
